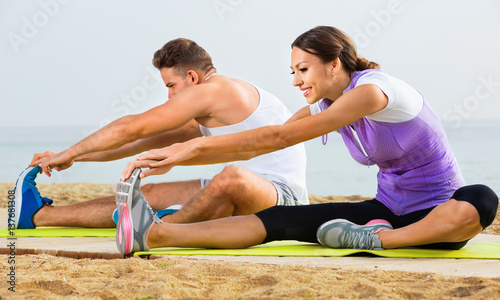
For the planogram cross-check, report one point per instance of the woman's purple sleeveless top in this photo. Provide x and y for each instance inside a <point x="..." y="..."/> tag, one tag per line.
<point x="417" y="168"/>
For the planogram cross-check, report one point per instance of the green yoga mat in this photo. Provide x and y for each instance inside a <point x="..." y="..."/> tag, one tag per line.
<point x="59" y="232"/>
<point x="277" y="248"/>
<point x="294" y="248"/>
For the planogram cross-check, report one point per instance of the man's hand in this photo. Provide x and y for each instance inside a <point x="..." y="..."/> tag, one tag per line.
<point x="52" y="160"/>
<point x="38" y="157"/>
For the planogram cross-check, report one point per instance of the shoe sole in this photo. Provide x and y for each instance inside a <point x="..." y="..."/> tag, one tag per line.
<point x="125" y="226"/>
<point x="18" y="196"/>
<point x="371" y="226"/>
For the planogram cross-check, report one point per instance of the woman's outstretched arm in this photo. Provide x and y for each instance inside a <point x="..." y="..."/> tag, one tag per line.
<point x="353" y="105"/>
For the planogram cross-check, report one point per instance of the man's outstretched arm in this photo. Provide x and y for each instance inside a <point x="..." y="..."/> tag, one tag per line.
<point x="179" y="110"/>
<point x="186" y="132"/>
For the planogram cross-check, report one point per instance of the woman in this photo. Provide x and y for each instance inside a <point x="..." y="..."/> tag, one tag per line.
<point x="421" y="198"/>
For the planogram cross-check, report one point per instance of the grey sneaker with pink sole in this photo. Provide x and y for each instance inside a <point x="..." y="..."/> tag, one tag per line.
<point x="135" y="216"/>
<point x="340" y="233"/>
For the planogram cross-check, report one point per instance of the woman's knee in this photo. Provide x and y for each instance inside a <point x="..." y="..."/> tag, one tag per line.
<point x="465" y="214"/>
<point x="482" y="198"/>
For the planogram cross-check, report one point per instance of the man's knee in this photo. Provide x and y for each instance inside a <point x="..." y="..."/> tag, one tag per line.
<point x="231" y="179"/>
<point x="148" y="188"/>
<point x="148" y="191"/>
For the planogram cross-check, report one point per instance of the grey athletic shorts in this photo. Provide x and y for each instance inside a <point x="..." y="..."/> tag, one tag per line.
<point x="286" y="196"/>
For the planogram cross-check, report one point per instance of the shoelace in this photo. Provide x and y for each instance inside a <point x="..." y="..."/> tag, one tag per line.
<point x="358" y="240"/>
<point x="156" y="219"/>
<point x="47" y="201"/>
<point x="154" y="214"/>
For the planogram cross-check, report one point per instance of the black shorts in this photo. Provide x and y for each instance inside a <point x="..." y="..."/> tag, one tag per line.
<point x="301" y="222"/>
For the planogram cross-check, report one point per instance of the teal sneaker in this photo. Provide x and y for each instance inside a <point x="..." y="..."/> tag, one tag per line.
<point x="159" y="213"/>
<point x="135" y="216"/>
<point x="340" y="233"/>
<point x="27" y="200"/>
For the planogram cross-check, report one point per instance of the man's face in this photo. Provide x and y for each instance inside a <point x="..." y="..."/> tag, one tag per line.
<point x="174" y="81"/>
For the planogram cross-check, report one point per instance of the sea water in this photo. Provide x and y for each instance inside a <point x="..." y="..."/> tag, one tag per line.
<point x="330" y="169"/>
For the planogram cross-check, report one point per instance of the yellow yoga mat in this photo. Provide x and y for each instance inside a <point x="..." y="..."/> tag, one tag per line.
<point x="294" y="248"/>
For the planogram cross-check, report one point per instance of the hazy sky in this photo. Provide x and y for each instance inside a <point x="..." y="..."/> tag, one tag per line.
<point x="67" y="63"/>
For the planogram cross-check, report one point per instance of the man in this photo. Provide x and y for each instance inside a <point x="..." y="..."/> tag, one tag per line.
<point x="201" y="103"/>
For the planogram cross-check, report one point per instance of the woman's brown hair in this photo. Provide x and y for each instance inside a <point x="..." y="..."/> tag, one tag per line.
<point x="328" y="43"/>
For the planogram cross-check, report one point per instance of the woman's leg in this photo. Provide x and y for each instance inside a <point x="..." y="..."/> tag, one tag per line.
<point x="471" y="209"/>
<point x="140" y="229"/>
<point x="232" y="232"/>
<point x="450" y="222"/>
<point x="302" y="222"/>
<point x="276" y="223"/>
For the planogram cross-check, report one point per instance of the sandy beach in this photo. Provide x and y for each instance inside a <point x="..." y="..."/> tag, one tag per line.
<point x="173" y="277"/>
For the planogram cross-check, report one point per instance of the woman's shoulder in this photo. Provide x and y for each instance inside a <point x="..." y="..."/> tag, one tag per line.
<point x="404" y="102"/>
<point x="375" y="74"/>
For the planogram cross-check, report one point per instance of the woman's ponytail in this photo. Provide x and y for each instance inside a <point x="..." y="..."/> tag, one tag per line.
<point x="363" y="64"/>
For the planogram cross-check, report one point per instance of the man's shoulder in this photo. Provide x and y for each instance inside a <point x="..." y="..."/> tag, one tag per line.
<point x="234" y="87"/>
<point x="223" y="80"/>
<point x="227" y="86"/>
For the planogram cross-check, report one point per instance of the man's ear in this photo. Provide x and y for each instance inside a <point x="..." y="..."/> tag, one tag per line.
<point x="192" y="77"/>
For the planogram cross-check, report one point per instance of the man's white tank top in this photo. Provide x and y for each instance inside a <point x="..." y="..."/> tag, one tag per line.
<point x="287" y="165"/>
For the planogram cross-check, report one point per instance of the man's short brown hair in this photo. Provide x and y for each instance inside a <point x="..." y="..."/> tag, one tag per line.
<point x="184" y="55"/>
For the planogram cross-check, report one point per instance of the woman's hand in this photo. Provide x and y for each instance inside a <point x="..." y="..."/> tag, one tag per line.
<point x="145" y="173"/>
<point x="172" y="155"/>
<point x="160" y="161"/>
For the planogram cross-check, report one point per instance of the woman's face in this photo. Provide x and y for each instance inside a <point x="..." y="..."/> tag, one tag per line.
<point x="313" y="77"/>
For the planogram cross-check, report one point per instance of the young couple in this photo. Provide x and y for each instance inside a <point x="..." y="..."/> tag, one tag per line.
<point x="421" y="199"/>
